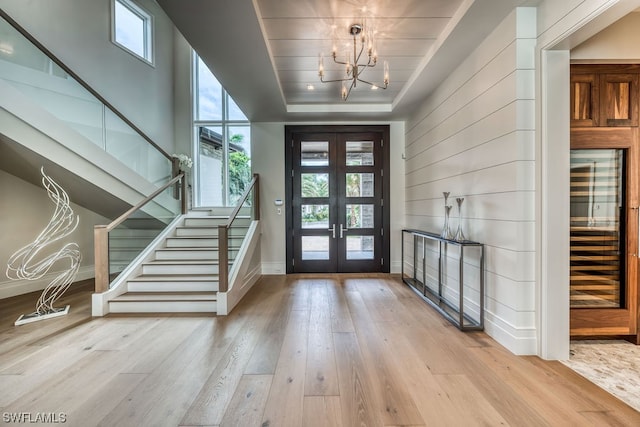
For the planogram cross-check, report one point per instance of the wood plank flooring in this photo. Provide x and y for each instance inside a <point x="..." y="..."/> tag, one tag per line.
<point x="299" y="350"/>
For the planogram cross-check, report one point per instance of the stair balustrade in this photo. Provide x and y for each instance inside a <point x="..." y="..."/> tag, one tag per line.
<point x="250" y="200"/>
<point x="46" y="81"/>
<point x="117" y="244"/>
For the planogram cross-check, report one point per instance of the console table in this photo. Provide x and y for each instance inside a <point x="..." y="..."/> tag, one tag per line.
<point x="432" y="289"/>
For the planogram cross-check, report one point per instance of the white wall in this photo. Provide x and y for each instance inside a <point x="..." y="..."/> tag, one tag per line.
<point x="616" y="43"/>
<point x="79" y="33"/>
<point x="26" y="210"/>
<point x="267" y="159"/>
<point x="474" y="137"/>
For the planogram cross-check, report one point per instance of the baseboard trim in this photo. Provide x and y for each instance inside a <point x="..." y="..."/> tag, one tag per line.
<point x="12" y="288"/>
<point x="273" y="268"/>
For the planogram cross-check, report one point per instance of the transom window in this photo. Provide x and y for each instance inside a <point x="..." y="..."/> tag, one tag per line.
<point x="222" y="132"/>
<point x="132" y="29"/>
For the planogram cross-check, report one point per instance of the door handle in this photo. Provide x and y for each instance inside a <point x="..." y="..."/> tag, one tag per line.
<point x="333" y="230"/>
<point x="342" y="230"/>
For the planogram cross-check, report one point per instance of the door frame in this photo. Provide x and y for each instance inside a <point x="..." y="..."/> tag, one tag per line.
<point x="290" y="130"/>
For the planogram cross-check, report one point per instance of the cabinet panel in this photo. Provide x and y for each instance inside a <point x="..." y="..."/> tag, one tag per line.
<point x="619" y="99"/>
<point x="584" y="100"/>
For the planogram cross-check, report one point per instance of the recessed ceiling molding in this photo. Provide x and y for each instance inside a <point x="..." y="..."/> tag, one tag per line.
<point x="339" y="108"/>
<point x="446" y="32"/>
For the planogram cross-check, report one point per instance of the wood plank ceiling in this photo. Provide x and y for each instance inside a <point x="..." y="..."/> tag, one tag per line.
<point x="297" y="31"/>
<point x="265" y="52"/>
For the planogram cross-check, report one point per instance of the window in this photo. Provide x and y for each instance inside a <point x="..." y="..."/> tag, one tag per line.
<point x="132" y="29"/>
<point x="222" y="167"/>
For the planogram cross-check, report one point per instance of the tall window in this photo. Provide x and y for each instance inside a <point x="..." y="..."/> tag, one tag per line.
<point x="223" y="142"/>
<point x="132" y="29"/>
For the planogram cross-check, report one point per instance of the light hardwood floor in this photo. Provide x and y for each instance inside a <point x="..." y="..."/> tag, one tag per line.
<point x="343" y="350"/>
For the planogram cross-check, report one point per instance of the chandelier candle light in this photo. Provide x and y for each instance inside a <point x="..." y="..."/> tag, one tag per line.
<point x="353" y="67"/>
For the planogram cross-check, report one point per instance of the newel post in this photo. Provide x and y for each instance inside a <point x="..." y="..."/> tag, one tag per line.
<point x="223" y="259"/>
<point x="183" y="192"/>
<point x="101" y="257"/>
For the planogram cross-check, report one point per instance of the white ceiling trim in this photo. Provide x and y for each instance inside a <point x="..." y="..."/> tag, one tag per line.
<point x="263" y="30"/>
<point x="339" y="108"/>
<point x="446" y="32"/>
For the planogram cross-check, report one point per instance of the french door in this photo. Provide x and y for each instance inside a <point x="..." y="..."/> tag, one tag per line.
<point x="604" y="231"/>
<point x="336" y="185"/>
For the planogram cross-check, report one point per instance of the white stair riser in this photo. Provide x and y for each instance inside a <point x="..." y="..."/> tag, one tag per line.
<point x="173" y="286"/>
<point x="162" y="306"/>
<point x="191" y="255"/>
<point x="179" y="269"/>
<point x="187" y="254"/>
<point x="173" y="242"/>
<point x="208" y="232"/>
<point x="186" y="242"/>
<point x="210" y="222"/>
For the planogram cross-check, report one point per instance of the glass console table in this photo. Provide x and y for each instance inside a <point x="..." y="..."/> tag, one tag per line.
<point x="437" y="273"/>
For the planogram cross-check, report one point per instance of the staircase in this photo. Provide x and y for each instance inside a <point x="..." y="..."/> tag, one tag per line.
<point x="182" y="274"/>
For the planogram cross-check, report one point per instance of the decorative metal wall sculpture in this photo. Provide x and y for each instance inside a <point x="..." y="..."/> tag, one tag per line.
<point x="24" y="264"/>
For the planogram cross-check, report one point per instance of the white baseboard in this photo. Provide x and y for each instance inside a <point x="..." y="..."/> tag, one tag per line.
<point x="271" y="268"/>
<point x="519" y="341"/>
<point x="396" y="267"/>
<point x="11" y="288"/>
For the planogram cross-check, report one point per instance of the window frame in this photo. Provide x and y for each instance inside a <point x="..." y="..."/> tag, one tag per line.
<point x="148" y="30"/>
<point x="224" y="123"/>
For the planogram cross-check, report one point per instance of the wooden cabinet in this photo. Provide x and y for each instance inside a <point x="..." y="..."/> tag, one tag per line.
<point x="585" y="101"/>
<point x="604" y="95"/>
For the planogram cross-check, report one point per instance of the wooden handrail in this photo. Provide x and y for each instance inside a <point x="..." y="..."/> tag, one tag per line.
<point x="116" y="222"/>
<point x="223" y="231"/>
<point x="101" y="233"/>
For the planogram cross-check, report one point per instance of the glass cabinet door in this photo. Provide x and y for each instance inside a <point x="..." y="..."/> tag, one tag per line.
<point x="597" y="235"/>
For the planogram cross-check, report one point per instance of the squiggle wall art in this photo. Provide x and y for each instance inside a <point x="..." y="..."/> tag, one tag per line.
<point x="29" y="262"/>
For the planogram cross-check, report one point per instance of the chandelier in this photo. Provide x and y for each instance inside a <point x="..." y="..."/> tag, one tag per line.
<point x="353" y="67"/>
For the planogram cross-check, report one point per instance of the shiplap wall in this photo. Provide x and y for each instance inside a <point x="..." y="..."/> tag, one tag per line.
<point x="474" y="137"/>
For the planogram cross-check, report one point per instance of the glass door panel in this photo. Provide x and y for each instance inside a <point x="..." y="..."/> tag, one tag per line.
<point x="315" y="247"/>
<point x="315" y="185"/>
<point x="360" y="184"/>
<point x="359" y="153"/>
<point x="360" y="247"/>
<point x="597" y="249"/>
<point x="314" y="216"/>
<point x="314" y="153"/>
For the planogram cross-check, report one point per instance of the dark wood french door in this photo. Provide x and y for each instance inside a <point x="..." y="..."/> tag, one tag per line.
<point x="337" y="221"/>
